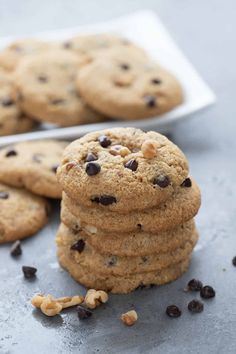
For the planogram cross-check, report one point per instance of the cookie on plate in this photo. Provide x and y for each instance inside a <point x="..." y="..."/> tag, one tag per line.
<point x="15" y="51"/>
<point x="33" y="165"/>
<point x="93" y="45"/>
<point x="22" y="213"/>
<point x="12" y="121"/>
<point x="126" y="87"/>
<point x="113" y="170"/>
<point x="46" y="90"/>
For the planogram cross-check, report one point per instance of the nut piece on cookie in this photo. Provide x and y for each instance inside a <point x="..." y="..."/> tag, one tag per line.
<point x="94" y="298"/>
<point x="129" y="318"/>
<point x="149" y="149"/>
<point x="119" y="150"/>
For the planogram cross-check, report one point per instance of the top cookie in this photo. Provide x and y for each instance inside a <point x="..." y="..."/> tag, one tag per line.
<point x="45" y="86"/>
<point x="11" y="55"/>
<point x="12" y="121"/>
<point x="33" y="165"/>
<point x="91" y="46"/>
<point x="124" y="86"/>
<point x="122" y="169"/>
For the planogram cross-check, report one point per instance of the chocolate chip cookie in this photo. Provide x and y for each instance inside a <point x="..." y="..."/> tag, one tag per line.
<point x="46" y="90"/>
<point x="112" y="170"/>
<point x="12" y="121"/>
<point x="126" y="87"/>
<point x="22" y="213"/>
<point x="33" y="165"/>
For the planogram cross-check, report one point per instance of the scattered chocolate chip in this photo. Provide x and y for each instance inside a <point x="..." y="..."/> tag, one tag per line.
<point x="187" y="183"/>
<point x="107" y="199"/>
<point x="57" y="101"/>
<point x="42" y="78"/>
<point x="104" y="141"/>
<point x="10" y="153"/>
<point x="194" y="285"/>
<point x="195" y="306"/>
<point x="91" y="157"/>
<point x="112" y="261"/>
<point x="150" y="101"/>
<point x="92" y="168"/>
<point x="83" y="313"/>
<point x="7" y="102"/>
<point x="16" y="250"/>
<point x="54" y="168"/>
<point x="125" y="66"/>
<point x="162" y="181"/>
<point x="78" y="246"/>
<point x="156" y="81"/>
<point x="207" y="292"/>
<point x="234" y="261"/>
<point x="132" y="165"/>
<point x="29" y="272"/>
<point x="4" y="195"/>
<point x="173" y="311"/>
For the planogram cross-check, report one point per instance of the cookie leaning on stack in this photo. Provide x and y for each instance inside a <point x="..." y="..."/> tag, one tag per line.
<point x="127" y="210"/>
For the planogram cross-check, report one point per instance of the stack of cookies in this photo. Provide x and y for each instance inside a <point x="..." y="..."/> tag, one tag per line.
<point x="127" y="210"/>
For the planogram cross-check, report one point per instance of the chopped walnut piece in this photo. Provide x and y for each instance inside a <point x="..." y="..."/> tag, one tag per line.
<point x="129" y="318"/>
<point x="119" y="150"/>
<point x="149" y="149"/>
<point x="94" y="298"/>
<point x="50" y="307"/>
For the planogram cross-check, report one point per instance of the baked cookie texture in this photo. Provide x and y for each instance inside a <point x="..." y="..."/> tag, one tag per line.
<point x="127" y="211"/>
<point x="22" y="213"/>
<point x="12" y="120"/>
<point x="33" y="165"/>
<point x="127" y="87"/>
<point x="45" y="86"/>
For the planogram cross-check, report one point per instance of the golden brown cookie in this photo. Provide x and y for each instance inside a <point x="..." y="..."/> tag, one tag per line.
<point x="108" y="170"/>
<point x="22" y="213"/>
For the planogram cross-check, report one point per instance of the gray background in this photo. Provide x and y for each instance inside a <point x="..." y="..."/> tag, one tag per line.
<point x="205" y="30"/>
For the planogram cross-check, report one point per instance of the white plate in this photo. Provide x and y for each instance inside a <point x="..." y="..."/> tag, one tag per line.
<point x="145" y="29"/>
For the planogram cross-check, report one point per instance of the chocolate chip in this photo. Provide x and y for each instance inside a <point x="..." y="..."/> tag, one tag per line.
<point x="187" y="183"/>
<point x="7" y="101"/>
<point x="207" y="292"/>
<point x="37" y="158"/>
<point x="4" y="195"/>
<point x="139" y="226"/>
<point x="173" y="311"/>
<point x="107" y="199"/>
<point x="92" y="168"/>
<point x="156" y="81"/>
<point x="54" y="168"/>
<point x="67" y="45"/>
<point x="161" y="181"/>
<point x="83" y="313"/>
<point x="195" y="306"/>
<point x="29" y="272"/>
<point x="91" y="157"/>
<point x="125" y="66"/>
<point x="194" y="285"/>
<point x="78" y="246"/>
<point x="234" y="261"/>
<point x="95" y="199"/>
<point x="150" y="101"/>
<point x="42" y="78"/>
<point x="104" y="141"/>
<point x="57" y="101"/>
<point x="112" y="261"/>
<point x="16" y="250"/>
<point x="10" y="153"/>
<point x="132" y="165"/>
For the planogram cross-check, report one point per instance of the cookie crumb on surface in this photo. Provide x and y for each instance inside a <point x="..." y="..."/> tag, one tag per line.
<point x="129" y="318"/>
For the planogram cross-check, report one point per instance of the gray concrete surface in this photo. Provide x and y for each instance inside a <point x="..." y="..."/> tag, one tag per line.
<point x="205" y="30"/>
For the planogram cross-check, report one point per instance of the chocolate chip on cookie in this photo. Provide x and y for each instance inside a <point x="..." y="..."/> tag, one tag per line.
<point x="7" y="101"/>
<point x="187" y="183"/>
<point x="107" y="199"/>
<point x="92" y="168"/>
<point x="150" y="101"/>
<point x="104" y="141"/>
<point x="91" y="157"/>
<point x="161" y="181"/>
<point x="78" y="246"/>
<point x="4" y="195"/>
<point x="132" y="164"/>
<point x="156" y="81"/>
<point x="11" y="153"/>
